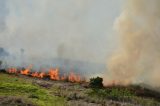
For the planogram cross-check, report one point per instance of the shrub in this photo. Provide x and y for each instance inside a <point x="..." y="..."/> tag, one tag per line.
<point x="96" y="83"/>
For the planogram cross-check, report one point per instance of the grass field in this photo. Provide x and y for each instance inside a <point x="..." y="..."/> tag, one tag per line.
<point x="29" y="93"/>
<point x="19" y="90"/>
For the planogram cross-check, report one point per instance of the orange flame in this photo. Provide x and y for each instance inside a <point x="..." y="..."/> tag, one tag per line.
<point x="64" y="77"/>
<point x="12" y="70"/>
<point x="74" y="78"/>
<point x="26" y="71"/>
<point x="42" y="74"/>
<point x="35" y="74"/>
<point x="38" y="75"/>
<point x="54" y="73"/>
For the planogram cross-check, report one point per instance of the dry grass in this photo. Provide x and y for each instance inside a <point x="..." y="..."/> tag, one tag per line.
<point x="33" y="91"/>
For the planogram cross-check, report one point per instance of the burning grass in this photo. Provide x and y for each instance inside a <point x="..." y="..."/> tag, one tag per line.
<point x="52" y="74"/>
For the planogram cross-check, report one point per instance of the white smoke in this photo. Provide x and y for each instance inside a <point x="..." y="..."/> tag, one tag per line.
<point x="40" y="32"/>
<point x="41" y="27"/>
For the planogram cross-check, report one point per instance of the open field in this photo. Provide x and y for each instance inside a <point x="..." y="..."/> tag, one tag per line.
<point x="19" y="90"/>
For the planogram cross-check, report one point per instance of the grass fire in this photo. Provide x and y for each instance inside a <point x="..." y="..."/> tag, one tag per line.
<point x="52" y="74"/>
<point x="26" y="88"/>
<point x="79" y="52"/>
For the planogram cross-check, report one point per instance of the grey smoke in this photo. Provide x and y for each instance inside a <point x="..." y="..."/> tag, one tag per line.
<point x="3" y="53"/>
<point x="4" y="12"/>
<point x="41" y="32"/>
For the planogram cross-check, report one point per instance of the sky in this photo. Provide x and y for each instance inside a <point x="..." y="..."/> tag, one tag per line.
<point x="44" y="29"/>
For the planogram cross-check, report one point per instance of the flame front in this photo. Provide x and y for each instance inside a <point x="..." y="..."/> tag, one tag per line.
<point x="12" y="70"/>
<point x="42" y="74"/>
<point x="26" y="71"/>
<point x="74" y="78"/>
<point x="38" y="75"/>
<point x="53" y="74"/>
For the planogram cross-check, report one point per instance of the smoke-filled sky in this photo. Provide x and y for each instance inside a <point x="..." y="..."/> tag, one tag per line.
<point x="45" y="29"/>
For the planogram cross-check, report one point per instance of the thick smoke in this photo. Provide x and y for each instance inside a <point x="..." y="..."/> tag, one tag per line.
<point x="4" y="12"/>
<point x="40" y="27"/>
<point x="35" y="31"/>
<point x="3" y="53"/>
<point x="138" y="57"/>
<point x="49" y="33"/>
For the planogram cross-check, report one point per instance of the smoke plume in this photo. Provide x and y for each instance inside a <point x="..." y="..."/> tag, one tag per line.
<point x="138" y="57"/>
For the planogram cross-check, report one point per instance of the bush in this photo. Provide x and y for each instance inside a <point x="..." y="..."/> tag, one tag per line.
<point x="96" y="83"/>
